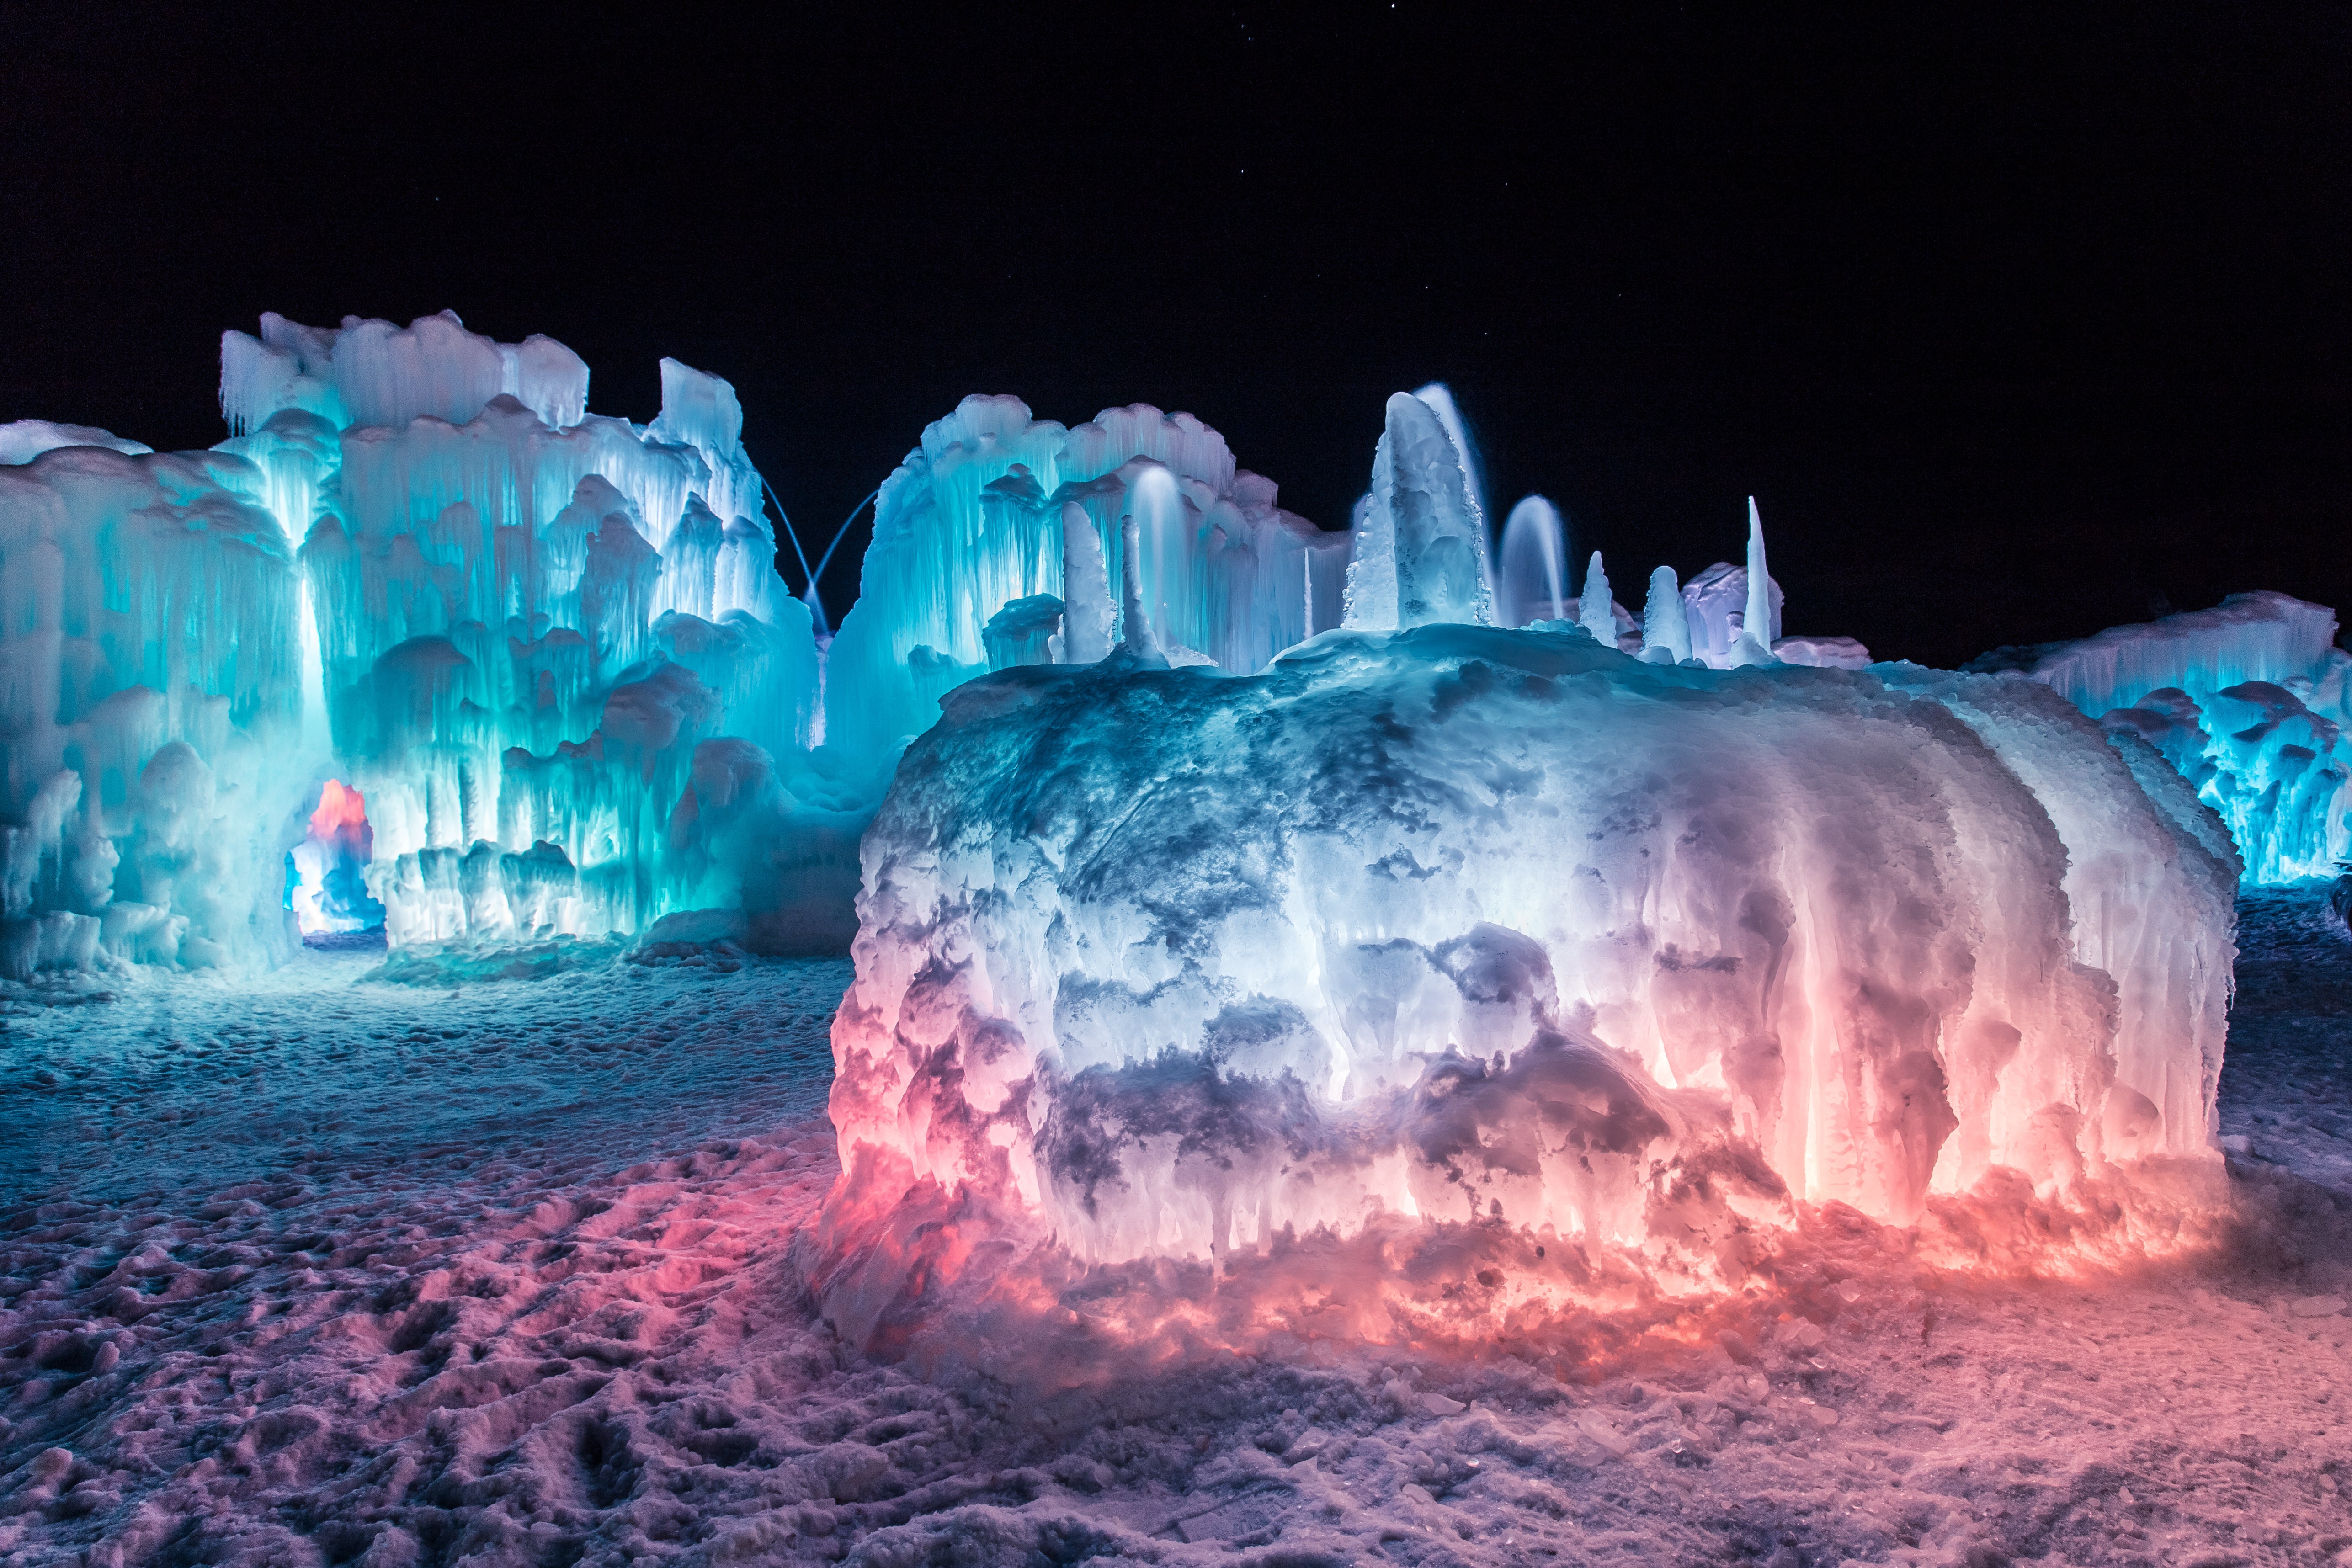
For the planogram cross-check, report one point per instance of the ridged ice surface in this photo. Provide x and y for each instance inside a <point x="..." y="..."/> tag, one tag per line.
<point x="1179" y="963"/>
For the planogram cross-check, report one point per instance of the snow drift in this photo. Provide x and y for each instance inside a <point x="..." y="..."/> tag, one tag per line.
<point x="1513" y="934"/>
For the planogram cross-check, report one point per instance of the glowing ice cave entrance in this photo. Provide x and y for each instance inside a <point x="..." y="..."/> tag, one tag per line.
<point x="326" y="873"/>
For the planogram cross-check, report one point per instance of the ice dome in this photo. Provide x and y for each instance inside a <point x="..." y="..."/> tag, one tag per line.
<point x="1500" y="927"/>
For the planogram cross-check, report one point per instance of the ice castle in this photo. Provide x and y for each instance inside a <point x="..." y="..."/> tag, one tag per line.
<point x="427" y="644"/>
<point x="1257" y="879"/>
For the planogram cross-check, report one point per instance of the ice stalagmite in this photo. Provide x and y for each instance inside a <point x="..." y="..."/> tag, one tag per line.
<point x="1759" y="625"/>
<point x="1152" y="491"/>
<point x="1595" y="609"/>
<point x="1085" y="590"/>
<point x="1440" y="541"/>
<point x="1665" y="626"/>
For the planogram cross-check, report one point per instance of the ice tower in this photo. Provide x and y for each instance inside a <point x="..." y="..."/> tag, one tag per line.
<point x="149" y="689"/>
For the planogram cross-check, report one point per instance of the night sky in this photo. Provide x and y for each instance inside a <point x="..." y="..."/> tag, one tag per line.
<point x="2016" y="325"/>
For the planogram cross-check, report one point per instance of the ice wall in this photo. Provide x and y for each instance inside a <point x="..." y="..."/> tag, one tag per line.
<point x="2247" y="700"/>
<point x="979" y="518"/>
<point x="1173" y="963"/>
<point x="149" y="694"/>
<point x="548" y="649"/>
<point x="553" y="650"/>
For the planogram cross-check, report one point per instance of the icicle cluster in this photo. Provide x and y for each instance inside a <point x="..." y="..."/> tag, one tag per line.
<point x="2248" y="700"/>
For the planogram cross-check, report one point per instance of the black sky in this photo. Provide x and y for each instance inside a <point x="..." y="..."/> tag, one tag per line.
<point x="2017" y="325"/>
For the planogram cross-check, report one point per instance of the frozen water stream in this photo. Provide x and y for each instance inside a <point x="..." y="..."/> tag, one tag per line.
<point x="327" y="1298"/>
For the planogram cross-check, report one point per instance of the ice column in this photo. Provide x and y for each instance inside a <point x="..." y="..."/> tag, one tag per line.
<point x="1532" y="583"/>
<point x="1085" y="590"/>
<point x="1665" y="626"/>
<point x="1596" y="610"/>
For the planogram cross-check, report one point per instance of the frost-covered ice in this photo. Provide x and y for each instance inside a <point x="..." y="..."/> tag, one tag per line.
<point x="561" y="1320"/>
<point x="2248" y="700"/>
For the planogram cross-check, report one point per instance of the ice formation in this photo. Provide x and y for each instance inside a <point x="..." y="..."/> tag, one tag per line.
<point x="548" y="648"/>
<point x="148" y="607"/>
<point x="1621" y="934"/>
<point x="1531" y="580"/>
<point x="2248" y="700"/>
<point x="1173" y="964"/>
<point x="550" y="651"/>
<point x="996" y="508"/>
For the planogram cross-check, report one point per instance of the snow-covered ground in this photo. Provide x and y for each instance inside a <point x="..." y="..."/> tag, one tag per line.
<point x="327" y="1271"/>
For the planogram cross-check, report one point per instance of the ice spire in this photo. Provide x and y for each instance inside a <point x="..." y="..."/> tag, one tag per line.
<point x="1086" y="589"/>
<point x="1532" y="584"/>
<point x="1666" y="624"/>
<point x="1419" y="482"/>
<point x="1756" y="625"/>
<point x="1596" y="611"/>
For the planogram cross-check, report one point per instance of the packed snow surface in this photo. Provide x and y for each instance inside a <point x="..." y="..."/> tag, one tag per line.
<point x="2248" y="700"/>
<point x="1600" y="964"/>
<point x="265" y="1299"/>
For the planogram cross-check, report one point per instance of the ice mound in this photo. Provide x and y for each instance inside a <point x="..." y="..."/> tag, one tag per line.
<point x="2247" y="700"/>
<point x="1509" y="931"/>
